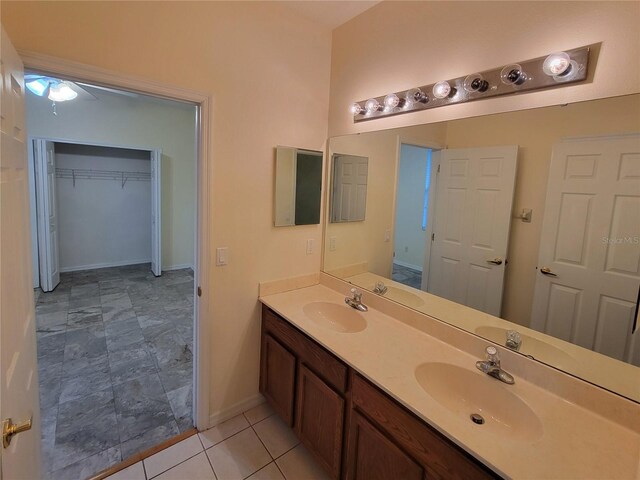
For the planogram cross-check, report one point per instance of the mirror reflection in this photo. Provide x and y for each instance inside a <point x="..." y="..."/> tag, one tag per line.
<point x="349" y="188"/>
<point x="521" y="227"/>
<point x="298" y="186"/>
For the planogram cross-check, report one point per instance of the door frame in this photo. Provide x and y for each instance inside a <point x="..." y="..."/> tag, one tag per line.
<point x="435" y="164"/>
<point x="76" y="71"/>
<point x="36" y="188"/>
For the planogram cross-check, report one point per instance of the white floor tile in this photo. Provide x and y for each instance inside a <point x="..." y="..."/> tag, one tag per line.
<point x="170" y="457"/>
<point x="238" y="456"/>
<point x="223" y="431"/>
<point x="258" y="413"/>
<point x="196" y="468"/>
<point x="276" y="435"/>
<point x="298" y="464"/>
<point x="270" y="472"/>
<point x="133" y="472"/>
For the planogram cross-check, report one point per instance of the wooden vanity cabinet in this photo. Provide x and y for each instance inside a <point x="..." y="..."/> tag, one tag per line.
<point x="353" y="429"/>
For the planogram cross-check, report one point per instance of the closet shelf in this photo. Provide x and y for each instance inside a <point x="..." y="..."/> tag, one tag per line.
<point x="84" y="174"/>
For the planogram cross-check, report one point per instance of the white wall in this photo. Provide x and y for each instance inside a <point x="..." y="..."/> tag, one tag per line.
<point x="100" y="223"/>
<point x="136" y="122"/>
<point x="409" y="238"/>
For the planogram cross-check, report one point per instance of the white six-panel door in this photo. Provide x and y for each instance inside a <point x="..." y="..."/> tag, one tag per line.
<point x="350" y="188"/>
<point x="471" y="232"/>
<point x="47" y="207"/>
<point x="18" y="368"/>
<point x="589" y="263"/>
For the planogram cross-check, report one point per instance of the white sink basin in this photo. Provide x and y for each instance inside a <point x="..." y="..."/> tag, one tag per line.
<point x="401" y="296"/>
<point x="538" y="349"/>
<point x="465" y="392"/>
<point x="336" y="317"/>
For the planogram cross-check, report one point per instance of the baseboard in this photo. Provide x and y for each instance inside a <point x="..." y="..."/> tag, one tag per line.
<point x="218" y="417"/>
<point x="177" y="267"/>
<point x="408" y="265"/>
<point x="103" y="265"/>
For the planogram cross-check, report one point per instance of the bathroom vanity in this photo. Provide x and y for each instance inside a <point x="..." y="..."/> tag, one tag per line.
<point x="389" y="394"/>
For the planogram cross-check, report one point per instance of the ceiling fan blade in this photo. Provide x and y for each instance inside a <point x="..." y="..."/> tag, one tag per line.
<point x="83" y="93"/>
<point x="110" y="90"/>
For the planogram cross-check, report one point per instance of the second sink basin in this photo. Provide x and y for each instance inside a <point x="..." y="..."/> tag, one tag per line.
<point x="339" y="318"/>
<point x="465" y="392"/>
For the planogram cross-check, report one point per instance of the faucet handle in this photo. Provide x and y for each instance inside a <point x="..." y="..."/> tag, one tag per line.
<point x="357" y="296"/>
<point x="492" y="355"/>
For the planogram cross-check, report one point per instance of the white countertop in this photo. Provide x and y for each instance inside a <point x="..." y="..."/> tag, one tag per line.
<point x="575" y="443"/>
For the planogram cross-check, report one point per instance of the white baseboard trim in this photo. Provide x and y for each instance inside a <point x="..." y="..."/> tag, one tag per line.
<point x="103" y="265"/>
<point x="220" y="416"/>
<point x="408" y="265"/>
<point x="177" y="267"/>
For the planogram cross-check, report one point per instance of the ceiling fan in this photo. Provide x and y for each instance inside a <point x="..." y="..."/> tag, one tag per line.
<point x="59" y="90"/>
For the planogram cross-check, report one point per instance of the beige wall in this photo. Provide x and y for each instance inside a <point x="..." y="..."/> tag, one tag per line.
<point x="267" y="71"/>
<point x="535" y="132"/>
<point x="399" y="45"/>
<point x="141" y="122"/>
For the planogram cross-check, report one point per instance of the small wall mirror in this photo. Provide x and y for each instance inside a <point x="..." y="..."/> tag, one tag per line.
<point x="298" y="186"/>
<point x="349" y="188"/>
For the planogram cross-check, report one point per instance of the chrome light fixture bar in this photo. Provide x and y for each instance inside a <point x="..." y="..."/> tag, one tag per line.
<point x="554" y="70"/>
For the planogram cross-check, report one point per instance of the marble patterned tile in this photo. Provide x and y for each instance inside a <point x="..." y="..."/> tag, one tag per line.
<point x="52" y="307"/>
<point x="121" y="299"/>
<point x="149" y="438"/>
<point x="83" y="302"/>
<point x="51" y="348"/>
<point x="50" y="377"/>
<point x="117" y="313"/>
<point x="88" y="467"/>
<point x="181" y="401"/>
<point x="129" y="363"/>
<point x="86" y="342"/>
<point x="48" y="421"/>
<point x="141" y="405"/>
<point x="84" y="317"/>
<point x="83" y="376"/>
<point x="51" y="322"/>
<point x="85" y="290"/>
<point x="85" y="427"/>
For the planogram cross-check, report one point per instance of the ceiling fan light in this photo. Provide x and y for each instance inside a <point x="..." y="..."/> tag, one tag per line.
<point x="61" y="92"/>
<point x="38" y="86"/>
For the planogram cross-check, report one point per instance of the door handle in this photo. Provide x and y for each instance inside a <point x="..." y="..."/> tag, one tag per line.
<point x="634" y="327"/>
<point x="547" y="271"/>
<point x="9" y="429"/>
<point x="495" y="261"/>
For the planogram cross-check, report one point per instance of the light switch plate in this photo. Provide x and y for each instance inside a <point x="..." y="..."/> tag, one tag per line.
<point x="332" y="244"/>
<point x="310" y="246"/>
<point x="222" y="256"/>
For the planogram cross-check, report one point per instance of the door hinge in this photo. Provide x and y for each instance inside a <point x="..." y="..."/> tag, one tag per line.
<point x="199" y="290"/>
<point x="438" y="168"/>
<point x="433" y="237"/>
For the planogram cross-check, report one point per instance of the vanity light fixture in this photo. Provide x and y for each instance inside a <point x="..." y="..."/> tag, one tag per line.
<point x="443" y="90"/>
<point x="554" y="70"/>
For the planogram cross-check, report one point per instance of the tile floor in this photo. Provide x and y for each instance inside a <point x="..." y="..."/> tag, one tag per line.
<point x="255" y="445"/>
<point x="115" y="363"/>
<point x="408" y="276"/>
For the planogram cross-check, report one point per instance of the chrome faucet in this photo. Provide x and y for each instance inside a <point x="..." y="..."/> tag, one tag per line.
<point x="355" y="301"/>
<point x="491" y="366"/>
<point x="380" y="288"/>
<point x="514" y="340"/>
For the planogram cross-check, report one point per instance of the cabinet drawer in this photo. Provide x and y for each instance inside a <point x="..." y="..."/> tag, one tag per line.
<point x="438" y="455"/>
<point x="323" y="363"/>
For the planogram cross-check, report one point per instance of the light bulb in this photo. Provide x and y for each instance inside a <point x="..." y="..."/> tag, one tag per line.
<point x="556" y="64"/>
<point x="372" y="106"/>
<point x="38" y="86"/>
<point x="413" y="96"/>
<point x="391" y="101"/>
<point x="356" y="109"/>
<point x="442" y="89"/>
<point x="513" y="75"/>
<point x="61" y="92"/>
<point x="475" y="83"/>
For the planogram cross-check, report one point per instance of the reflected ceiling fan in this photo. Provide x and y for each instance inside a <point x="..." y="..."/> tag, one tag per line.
<point x="59" y="90"/>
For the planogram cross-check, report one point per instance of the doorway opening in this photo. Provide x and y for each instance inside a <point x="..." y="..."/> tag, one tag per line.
<point x="114" y="187"/>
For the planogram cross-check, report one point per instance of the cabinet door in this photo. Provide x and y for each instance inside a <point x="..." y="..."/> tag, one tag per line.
<point x="277" y="377"/>
<point x="320" y="420"/>
<point x="372" y="456"/>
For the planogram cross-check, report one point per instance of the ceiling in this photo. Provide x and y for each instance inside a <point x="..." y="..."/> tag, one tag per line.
<point x="330" y="14"/>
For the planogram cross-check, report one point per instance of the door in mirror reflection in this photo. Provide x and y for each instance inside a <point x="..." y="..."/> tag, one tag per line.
<point x="349" y="191"/>
<point x="298" y="187"/>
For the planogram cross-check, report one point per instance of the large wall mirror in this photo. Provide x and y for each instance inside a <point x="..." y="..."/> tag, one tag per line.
<point x="521" y="227"/>
<point x="298" y="187"/>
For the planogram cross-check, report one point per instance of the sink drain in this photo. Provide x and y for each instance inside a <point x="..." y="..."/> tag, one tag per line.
<point x="477" y="418"/>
